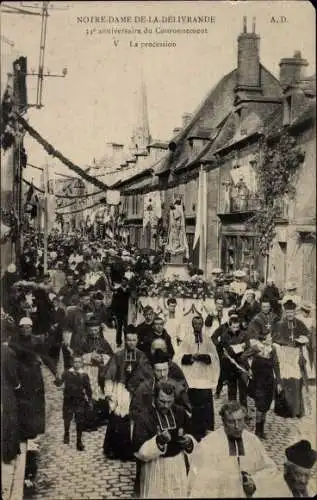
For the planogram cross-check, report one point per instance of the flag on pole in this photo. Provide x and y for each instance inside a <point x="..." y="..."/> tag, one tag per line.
<point x="200" y="238"/>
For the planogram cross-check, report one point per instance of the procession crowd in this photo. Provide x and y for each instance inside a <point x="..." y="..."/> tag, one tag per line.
<point x="154" y="391"/>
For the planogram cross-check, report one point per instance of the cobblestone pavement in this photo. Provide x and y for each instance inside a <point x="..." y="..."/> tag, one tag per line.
<point x="66" y="474"/>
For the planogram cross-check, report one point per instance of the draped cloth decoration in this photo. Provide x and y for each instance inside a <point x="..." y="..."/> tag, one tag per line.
<point x="53" y="152"/>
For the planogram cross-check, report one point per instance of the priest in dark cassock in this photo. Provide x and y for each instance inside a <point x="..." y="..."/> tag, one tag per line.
<point x="292" y="342"/>
<point x="263" y="322"/>
<point x="161" y="439"/>
<point x="163" y="369"/>
<point x="264" y="364"/>
<point x="156" y="332"/>
<point x="146" y="327"/>
<point x="126" y="370"/>
<point x="97" y="353"/>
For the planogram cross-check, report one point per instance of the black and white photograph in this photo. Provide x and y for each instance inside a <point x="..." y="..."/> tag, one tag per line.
<point x="158" y="249"/>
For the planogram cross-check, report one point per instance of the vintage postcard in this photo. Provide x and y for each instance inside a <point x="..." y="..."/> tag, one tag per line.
<point x="158" y="249"/>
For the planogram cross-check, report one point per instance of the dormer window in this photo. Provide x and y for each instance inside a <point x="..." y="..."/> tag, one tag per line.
<point x="287" y="118"/>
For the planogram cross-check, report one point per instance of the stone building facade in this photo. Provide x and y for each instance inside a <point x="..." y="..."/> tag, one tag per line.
<point x="225" y="136"/>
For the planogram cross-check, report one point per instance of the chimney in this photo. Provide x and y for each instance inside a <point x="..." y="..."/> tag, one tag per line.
<point x="248" y="74"/>
<point x="186" y="119"/>
<point x="292" y="69"/>
<point x="116" y="152"/>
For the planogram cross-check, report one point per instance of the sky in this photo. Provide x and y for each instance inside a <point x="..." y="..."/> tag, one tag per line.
<point x="96" y="102"/>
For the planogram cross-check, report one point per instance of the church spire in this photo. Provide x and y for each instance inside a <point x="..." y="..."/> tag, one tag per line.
<point x="141" y="133"/>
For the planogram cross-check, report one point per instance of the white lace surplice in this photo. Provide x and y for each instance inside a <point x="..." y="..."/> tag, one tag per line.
<point x="161" y="477"/>
<point x="92" y="372"/>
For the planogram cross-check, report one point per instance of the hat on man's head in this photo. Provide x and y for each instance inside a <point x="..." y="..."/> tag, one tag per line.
<point x="290" y="286"/>
<point x="289" y="305"/>
<point x="306" y="306"/>
<point x="216" y="270"/>
<point x="171" y="300"/>
<point x="26" y="321"/>
<point x="239" y="274"/>
<point x="301" y="454"/>
<point x="160" y="357"/>
<point x="98" y="296"/>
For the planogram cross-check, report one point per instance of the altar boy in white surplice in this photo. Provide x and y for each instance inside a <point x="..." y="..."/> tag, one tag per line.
<point x="198" y="358"/>
<point x="174" y="321"/>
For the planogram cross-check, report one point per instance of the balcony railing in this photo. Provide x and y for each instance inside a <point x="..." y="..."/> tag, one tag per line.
<point x="253" y="203"/>
<point x="242" y="204"/>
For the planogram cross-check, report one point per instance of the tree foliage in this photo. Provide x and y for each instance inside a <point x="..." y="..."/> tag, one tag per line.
<point x="276" y="175"/>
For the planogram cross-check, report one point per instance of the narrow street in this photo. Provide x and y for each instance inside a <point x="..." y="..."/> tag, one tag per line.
<point x="66" y="474"/>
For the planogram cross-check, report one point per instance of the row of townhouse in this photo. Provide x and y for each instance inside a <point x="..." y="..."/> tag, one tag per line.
<point x="247" y="110"/>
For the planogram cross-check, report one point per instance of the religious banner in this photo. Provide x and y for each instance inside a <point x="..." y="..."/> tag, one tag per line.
<point x="152" y="211"/>
<point x="200" y="238"/>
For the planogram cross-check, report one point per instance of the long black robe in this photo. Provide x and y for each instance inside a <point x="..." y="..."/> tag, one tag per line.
<point x="9" y="387"/>
<point x="31" y="397"/>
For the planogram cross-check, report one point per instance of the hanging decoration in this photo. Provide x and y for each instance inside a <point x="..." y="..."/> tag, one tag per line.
<point x="100" y="202"/>
<point x="55" y="153"/>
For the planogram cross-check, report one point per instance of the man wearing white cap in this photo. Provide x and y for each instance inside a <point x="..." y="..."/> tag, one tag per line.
<point x="238" y="285"/>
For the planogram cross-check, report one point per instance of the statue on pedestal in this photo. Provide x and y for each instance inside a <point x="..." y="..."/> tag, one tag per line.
<point x="177" y="241"/>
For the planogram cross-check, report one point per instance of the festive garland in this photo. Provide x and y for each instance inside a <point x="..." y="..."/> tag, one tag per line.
<point x="53" y="152"/>
<point x="196" y="288"/>
<point x="276" y="176"/>
<point x="100" y="202"/>
<point x="72" y="197"/>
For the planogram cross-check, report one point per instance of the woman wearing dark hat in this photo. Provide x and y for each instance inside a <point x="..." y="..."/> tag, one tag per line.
<point x="97" y="353"/>
<point x="290" y="336"/>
